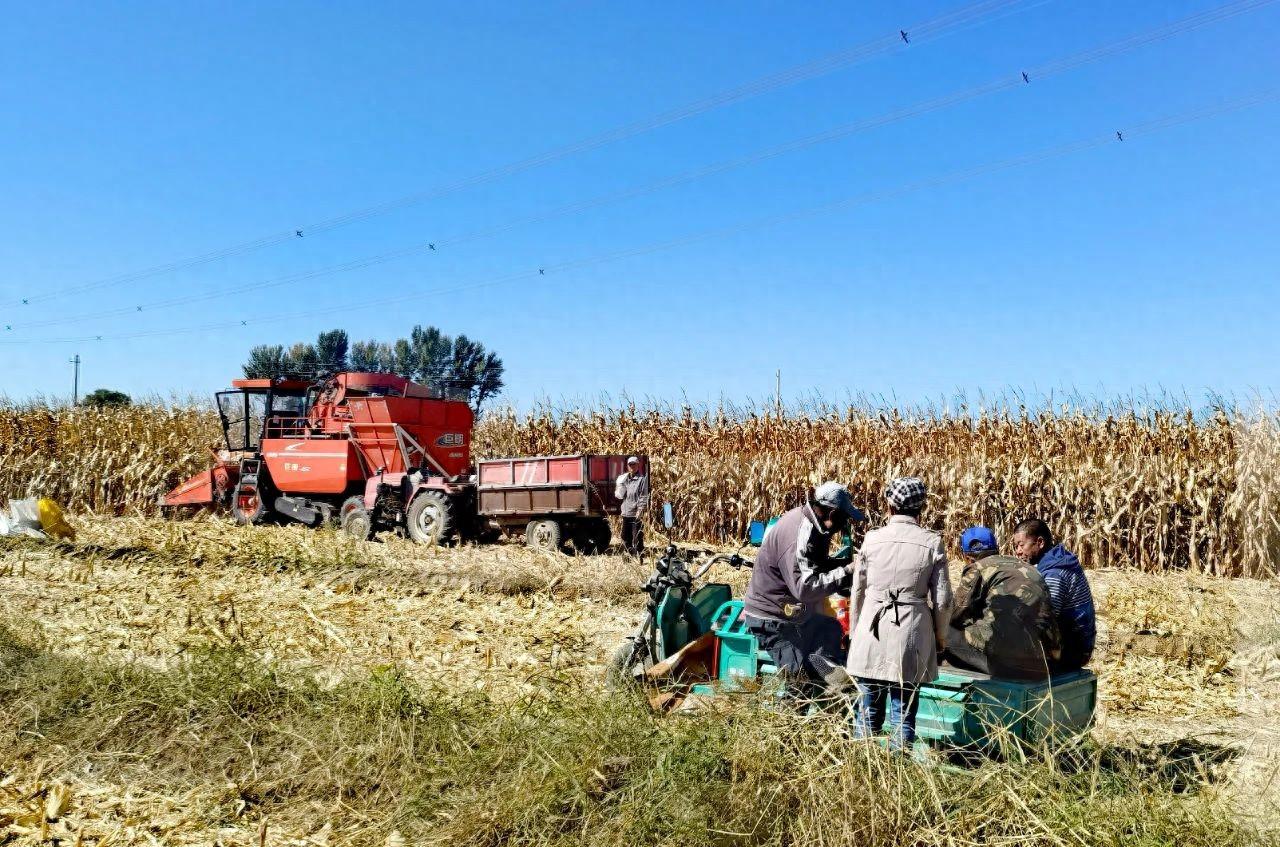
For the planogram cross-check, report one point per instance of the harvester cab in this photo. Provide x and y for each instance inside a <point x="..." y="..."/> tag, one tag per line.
<point x="246" y="409"/>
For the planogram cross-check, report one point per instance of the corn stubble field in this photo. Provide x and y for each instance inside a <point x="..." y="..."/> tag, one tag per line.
<point x="193" y="682"/>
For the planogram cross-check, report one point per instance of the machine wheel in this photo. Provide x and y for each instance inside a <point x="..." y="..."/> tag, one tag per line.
<point x="354" y="520"/>
<point x="592" y="536"/>
<point x="544" y="535"/>
<point x="429" y="518"/>
<point x="621" y="672"/>
<point x="247" y="507"/>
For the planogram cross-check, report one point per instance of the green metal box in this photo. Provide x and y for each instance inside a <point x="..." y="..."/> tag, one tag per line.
<point x="964" y="709"/>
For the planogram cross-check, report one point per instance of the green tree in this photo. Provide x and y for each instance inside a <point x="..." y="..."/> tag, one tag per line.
<point x="326" y="357"/>
<point x="474" y="373"/>
<point x="331" y="350"/>
<point x="366" y="357"/>
<point x="456" y="367"/>
<point x="266" y="361"/>
<point x="303" y="361"/>
<point x="106" y="397"/>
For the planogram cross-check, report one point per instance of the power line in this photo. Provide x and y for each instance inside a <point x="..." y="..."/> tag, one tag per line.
<point x="1001" y="83"/>
<point x="931" y="29"/>
<point x="1136" y="131"/>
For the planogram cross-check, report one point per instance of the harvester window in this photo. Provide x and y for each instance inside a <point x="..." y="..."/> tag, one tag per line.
<point x="288" y="405"/>
<point x="243" y="414"/>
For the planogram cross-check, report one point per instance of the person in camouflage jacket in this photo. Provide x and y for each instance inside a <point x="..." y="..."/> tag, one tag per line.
<point x="1002" y="621"/>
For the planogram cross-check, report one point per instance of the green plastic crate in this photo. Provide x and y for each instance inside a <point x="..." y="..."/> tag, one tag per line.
<point x="963" y="709"/>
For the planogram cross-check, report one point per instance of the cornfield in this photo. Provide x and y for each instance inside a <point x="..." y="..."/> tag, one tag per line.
<point x="1154" y="489"/>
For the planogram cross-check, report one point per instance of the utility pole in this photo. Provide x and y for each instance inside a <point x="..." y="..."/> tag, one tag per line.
<point x="777" y="391"/>
<point x="75" y="383"/>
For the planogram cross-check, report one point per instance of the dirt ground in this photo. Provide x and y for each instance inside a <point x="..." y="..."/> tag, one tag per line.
<point x="1184" y="660"/>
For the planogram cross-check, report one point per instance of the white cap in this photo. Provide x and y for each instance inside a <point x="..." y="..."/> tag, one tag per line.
<point x="633" y="460"/>
<point x="833" y="495"/>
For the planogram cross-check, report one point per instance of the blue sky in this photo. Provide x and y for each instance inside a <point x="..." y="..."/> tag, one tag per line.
<point x="134" y="134"/>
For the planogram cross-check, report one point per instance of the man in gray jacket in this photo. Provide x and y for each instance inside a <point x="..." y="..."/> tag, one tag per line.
<point x="793" y="575"/>
<point x="633" y="490"/>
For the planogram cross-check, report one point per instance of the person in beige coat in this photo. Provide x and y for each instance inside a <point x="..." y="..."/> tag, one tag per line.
<point x="899" y="608"/>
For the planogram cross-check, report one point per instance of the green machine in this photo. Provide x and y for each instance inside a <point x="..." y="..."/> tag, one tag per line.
<point x="959" y="710"/>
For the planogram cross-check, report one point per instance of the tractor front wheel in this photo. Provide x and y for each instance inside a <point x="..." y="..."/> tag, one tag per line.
<point x="354" y="520"/>
<point x="429" y="518"/>
<point x="544" y="535"/>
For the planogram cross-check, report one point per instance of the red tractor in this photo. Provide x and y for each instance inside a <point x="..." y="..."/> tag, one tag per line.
<point x="369" y="451"/>
<point x="376" y="451"/>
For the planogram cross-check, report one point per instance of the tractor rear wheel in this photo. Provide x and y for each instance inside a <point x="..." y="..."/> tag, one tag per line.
<point x="247" y="506"/>
<point x="430" y="519"/>
<point x="544" y="535"/>
<point x="354" y="520"/>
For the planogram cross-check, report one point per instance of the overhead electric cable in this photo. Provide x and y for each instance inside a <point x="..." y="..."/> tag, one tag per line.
<point x="931" y="29"/>
<point x="1138" y="130"/>
<point x="1002" y="83"/>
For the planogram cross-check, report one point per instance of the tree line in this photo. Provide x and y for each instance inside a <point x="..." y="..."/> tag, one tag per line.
<point x="455" y="365"/>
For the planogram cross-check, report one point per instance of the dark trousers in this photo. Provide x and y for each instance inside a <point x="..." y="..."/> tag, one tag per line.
<point x="792" y="646"/>
<point x="962" y="654"/>
<point x="633" y="536"/>
<point x="903" y="702"/>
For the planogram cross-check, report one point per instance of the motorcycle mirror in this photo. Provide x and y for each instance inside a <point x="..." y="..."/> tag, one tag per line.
<point x="668" y="516"/>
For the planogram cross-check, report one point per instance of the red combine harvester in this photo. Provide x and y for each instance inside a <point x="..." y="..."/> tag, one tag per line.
<point x="376" y="451"/>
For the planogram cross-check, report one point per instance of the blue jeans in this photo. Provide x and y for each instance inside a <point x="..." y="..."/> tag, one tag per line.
<point x="903" y="702"/>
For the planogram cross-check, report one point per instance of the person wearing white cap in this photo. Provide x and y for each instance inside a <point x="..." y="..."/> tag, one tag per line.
<point x="898" y="614"/>
<point x="793" y="575"/>
<point x="633" y="490"/>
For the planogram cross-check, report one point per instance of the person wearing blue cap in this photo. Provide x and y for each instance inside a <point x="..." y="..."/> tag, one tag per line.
<point x="1002" y="621"/>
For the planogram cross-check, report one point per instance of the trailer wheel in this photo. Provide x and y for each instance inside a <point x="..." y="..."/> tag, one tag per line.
<point x="429" y="518"/>
<point x="247" y="506"/>
<point x="354" y="520"/>
<point x="544" y="535"/>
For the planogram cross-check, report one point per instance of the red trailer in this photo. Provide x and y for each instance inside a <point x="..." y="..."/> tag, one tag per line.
<point x="552" y="499"/>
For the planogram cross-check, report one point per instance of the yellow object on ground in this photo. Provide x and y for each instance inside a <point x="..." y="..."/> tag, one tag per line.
<point x="52" y="519"/>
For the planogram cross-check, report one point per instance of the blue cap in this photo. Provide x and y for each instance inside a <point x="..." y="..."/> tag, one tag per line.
<point x="976" y="539"/>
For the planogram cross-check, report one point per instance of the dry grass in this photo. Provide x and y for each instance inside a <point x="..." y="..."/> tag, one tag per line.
<point x="495" y="618"/>
<point x="1154" y="490"/>
<point x="225" y="749"/>
<point x="1169" y="642"/>
<point x="181" y="682"/>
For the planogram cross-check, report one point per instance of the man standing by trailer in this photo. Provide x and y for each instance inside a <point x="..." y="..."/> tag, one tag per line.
<point x="633" y="490"/>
